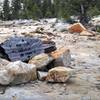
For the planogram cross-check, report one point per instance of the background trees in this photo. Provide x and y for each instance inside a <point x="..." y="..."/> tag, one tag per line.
<point x="83" y="8"/>
<point x="15" y="9"/>
<point x="35" y="9"/>
<point x="5" y="14"/>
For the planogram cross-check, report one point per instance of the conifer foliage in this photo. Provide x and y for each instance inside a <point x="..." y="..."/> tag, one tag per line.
<point x="35" y="9"/>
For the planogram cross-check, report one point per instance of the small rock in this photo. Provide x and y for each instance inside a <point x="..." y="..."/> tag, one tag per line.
<point x="42" y="75"/>
<point x="59" y="74"/>
<point x="98" y="37"/>
<point x="98" y="78"/>
<point x="41" y="60"/>
<point x="39" y="30"/>
<point x="62" y="57"/>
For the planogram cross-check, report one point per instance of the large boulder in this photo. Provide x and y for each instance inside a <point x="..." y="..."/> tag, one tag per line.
<point x="17" y="73"/>
<point x="59" y="74"/>
<point x="41" y="60"/>
<point x="62" y="57"/>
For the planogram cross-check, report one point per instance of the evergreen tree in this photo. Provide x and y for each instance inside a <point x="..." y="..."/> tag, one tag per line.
<point x="6" y="10"/>
<point x="61" y="8"/>
<point x="81" y="8"/>
<point x="28" y="9"/>
<point x="1" y="15"/>
<point x="16" y="9"/>
<point x="31" y="9"/>
<point x="47" y="8"/>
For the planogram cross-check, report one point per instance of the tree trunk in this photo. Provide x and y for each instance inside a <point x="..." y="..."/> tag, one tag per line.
<point x="83" y="16"/>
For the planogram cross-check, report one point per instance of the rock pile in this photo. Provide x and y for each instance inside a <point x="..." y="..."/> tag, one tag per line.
<point x="39" y="55"/>
<point x="19" y="72"/>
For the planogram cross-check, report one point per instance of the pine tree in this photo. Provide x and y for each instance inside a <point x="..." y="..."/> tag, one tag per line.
<point x="1" y="15"/>
<point x="31" y="9"/>
<point x="81" y="8"/>
<point x="47" y="8"/>
<point x="16" y="8"/>
<point x="27" y="9"/>
<point x="6" y="10"/>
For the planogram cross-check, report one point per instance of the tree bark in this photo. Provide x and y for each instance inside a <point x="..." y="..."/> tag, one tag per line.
<point x="83" y="16"/>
